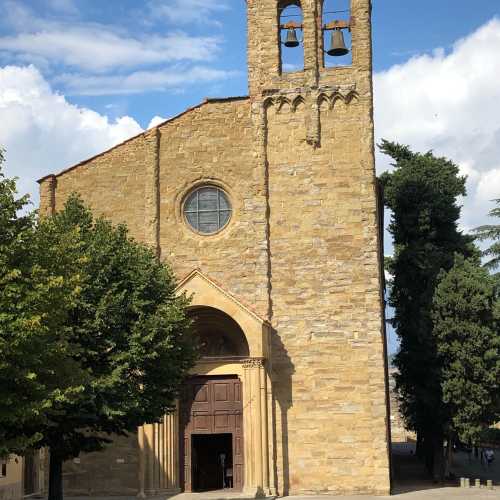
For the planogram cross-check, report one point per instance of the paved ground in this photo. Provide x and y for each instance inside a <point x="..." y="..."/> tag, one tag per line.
<point x="434" y="494"/>
<point x="411" y="482"/>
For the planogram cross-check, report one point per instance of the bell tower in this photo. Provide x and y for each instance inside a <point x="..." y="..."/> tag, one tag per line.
<point x="316" y="82"/>
<point x="265" y="44"/>
<point x="315" y="147"/>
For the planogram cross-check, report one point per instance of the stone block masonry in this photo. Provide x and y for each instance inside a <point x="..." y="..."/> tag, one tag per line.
<point x="302" y="250"/>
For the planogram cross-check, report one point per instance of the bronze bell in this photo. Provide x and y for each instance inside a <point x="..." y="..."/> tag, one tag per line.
<point x="337" y="47"/>
<point x="291" y="38"/>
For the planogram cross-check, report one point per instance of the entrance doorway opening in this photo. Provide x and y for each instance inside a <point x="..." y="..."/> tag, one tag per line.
<point x="212" y="461"/>
<point x="211" y="426"/>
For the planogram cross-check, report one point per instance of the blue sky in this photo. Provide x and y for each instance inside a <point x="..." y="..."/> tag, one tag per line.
<point x="216" y="32"/>
<point x="78" y="76"/>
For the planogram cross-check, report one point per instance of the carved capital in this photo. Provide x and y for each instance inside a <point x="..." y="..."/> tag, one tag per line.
<point x="250" y="363"/>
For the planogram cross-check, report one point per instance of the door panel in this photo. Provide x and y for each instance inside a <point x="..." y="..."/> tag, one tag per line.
<point x="212" y="405"/>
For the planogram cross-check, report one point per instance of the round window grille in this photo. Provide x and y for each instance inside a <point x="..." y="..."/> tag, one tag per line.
<point x="207" y="209"/>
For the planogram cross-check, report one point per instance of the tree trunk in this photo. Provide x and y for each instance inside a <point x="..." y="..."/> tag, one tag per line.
<point x="55" y="476"/>
<point x="419" y="451"/>
<point x="428" y="452"/>
<point x="439" y="466"/>
<point x="449" y="457"/>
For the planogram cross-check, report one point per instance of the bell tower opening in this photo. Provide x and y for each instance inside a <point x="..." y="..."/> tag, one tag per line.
<point x="337" y="43"/>
<point x="291" y="36"/>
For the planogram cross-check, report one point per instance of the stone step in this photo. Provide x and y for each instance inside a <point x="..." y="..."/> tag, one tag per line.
<point x="217" y="495"/>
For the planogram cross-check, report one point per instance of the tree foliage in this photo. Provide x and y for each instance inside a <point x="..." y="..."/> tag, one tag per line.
<point x="491" y="232"/>
<point x="421" y="192"/>
<point x="27" y="295"/>
<point x="94" y="341"/>
<point x="468" y="341"/>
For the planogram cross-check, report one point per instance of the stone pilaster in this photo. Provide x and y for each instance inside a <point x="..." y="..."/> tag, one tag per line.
<point x="313" y="124"/>
<point x="152" y="191"/>
<point x="171" y="451"/>
<point x="142" y="462"/>
<point x="48" y="195"/>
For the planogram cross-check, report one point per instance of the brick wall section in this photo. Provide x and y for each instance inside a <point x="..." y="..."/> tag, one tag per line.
<point x="326" y="304"/>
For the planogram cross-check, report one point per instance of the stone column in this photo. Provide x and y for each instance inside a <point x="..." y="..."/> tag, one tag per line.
<point x="255" y="427"/>
<point x="171" y="452"/>
<point x="159" y="457"/>
<point x="142" y="462"/>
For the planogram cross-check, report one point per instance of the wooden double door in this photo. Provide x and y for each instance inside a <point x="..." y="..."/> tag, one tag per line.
<point x="212" y="434"/>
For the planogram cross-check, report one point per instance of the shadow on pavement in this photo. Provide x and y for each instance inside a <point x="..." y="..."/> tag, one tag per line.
<point x="409" y="473"/>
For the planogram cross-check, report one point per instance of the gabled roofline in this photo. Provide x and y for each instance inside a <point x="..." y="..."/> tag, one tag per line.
<point x="173" y="118"/>
<point x="242" y="305"/>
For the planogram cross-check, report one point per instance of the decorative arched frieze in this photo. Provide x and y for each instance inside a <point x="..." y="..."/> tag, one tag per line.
<point x="282" y="104"/>
<point x="297" y="101"/>
<point x="352" y="97"/>
<point x="324" y="101"/>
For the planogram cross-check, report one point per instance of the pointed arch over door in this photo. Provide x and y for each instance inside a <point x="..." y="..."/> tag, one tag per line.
<point x="205" y="292"/>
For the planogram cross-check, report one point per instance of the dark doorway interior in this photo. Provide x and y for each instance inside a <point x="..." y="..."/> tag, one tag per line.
<point x="212" y="461"/>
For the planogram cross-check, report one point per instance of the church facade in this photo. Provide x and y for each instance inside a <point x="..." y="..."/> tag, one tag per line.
<point x="266" y="207"/>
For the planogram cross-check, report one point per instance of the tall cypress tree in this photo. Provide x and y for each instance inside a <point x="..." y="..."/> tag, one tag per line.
<point x="468" y="343"/>
<point x="491" y="233"/>
<point x="421" y="192"/>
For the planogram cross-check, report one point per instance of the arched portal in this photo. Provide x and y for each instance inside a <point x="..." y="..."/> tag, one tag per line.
<point x="211" y="406"/>
<point x="218" y="335"/>
<point x="224" y="406"/>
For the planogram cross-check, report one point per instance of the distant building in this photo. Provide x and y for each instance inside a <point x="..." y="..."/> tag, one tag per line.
<point x="21" y="477"/>
<point x="11" y="478"/>
<point x="399" y="434"/>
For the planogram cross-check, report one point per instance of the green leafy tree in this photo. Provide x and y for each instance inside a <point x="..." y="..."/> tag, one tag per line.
<point x="421" y="192"/>
<point x="468" y="344"/>
<point x="32" y="300"/>
<point x="491" y="232"/>
<point x="120" y="337"/>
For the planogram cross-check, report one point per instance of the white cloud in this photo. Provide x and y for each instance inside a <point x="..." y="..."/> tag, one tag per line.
<point x="187" y="11"/>
<point x="88" y="58"/>
<point x="450" y="103"/>
<point x="43" y="133"/>
<point x="156" y="120"/>
<point x="98" y="48"/>
<point x="140" y="81"/>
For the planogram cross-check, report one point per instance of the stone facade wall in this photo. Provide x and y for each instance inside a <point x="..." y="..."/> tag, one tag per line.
<point x="215" y="143"/>
<point x="302" y="248"/>
<point x="110" y="472"/>
<point x="326" y="302"/>
<point x="108" y="183"/>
